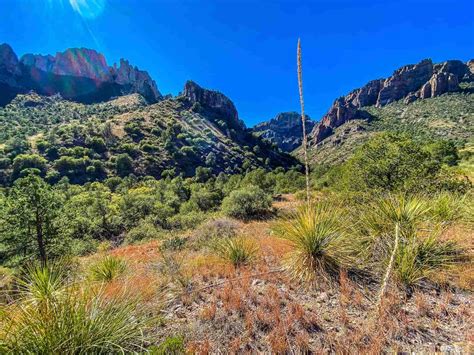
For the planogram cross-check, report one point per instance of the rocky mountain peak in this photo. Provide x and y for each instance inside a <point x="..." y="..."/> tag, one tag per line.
<point x="410" y="82"/>
<point x="80" y="74"/>
<point x="285" y="129"/>
<point x="212" y="100"/>
<point x="9" y="63"/>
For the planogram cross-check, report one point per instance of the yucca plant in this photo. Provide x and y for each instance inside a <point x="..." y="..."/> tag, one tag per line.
<point x="41" y="283"/>
<point x="108" y="269"/>
<point x="320" y="245"/>
<point x="239" y="251"/>
<point x="76" y="320"/>
<point x="447" y="207"/>
<point x="419" y="258"/>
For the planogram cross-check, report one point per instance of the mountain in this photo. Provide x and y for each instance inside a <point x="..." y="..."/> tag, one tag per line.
<point x="408" y="83"/>
<point x="285" y="130"/>
<point x="426" y="100"/>
<point x="77" y="74"/>
<point x="89" y="142"/>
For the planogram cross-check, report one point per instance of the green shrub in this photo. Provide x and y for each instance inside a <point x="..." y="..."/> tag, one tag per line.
<point x="247" y="203"/>
<point x="108" y="269"/>
<point x="174" y="243"/>
<point x="186" y="220"/>
<point x="144" y="231"/>
<point x="447" y="207"/>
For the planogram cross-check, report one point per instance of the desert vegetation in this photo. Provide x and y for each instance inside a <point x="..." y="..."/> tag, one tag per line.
<point x="379" y="260"/>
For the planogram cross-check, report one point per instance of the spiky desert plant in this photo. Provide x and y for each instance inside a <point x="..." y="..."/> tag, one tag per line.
<point x="76" y="320"/>
<point x="239" y="251"/>
<point x="320" y="245"/>
<point x="303" y="121"/>
<point x="41" y="283"/>
<point x="108" y="268"/>
<point x="421" y="257"/>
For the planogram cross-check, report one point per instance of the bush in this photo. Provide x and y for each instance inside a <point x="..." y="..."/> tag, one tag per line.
<point x="247" y="203"/>
<point x="144" y="231"/>
<point x="108" y="269"/>
<point x="187" y="220"/>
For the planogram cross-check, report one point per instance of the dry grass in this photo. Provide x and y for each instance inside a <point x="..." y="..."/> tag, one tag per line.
<point x="257" y="308"/>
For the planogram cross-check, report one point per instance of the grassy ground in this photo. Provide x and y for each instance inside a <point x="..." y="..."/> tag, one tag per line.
<point x="217" y="307"/>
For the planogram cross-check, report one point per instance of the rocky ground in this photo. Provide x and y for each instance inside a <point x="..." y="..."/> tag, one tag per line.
<point x="257" y="308"/>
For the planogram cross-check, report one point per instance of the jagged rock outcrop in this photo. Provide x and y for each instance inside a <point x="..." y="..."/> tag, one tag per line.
<point x="285" y="130"/>
<point x="222" y="107"/>
<point x="79" y="74"/>
<point x="411" y="82"/>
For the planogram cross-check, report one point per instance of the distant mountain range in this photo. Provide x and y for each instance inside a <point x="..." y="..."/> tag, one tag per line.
<point x="103" y="113"/>
<point x="77" y="74"/>
<point x="285" y="130"/>
<point x="407" y="85"/>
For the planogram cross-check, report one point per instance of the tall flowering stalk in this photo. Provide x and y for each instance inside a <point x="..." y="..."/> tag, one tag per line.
<point x="305" y="139"/>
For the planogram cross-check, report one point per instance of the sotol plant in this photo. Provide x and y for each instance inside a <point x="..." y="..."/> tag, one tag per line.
<point x="305" y="139"/>
<point x="58" y="317"/>
<point x="320" y="246"/>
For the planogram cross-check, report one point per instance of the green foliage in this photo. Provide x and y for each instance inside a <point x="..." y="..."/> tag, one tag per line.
<point x="28" y="161"/>
<point x="390" y="162"/>
<point x="419" y="253"/>
<point x="30" y="221"/>
<point x="59" y="318"/>
<point x="248" y="202"/>
<point x="108" y="269"/>
<point x="419" y="258"/>
<point x="123" y="165"/>
<point x="320" y="246"/>
<point x="170" y="346"/>
<point x="144" y="231"/>
<point x="238" y="251"/>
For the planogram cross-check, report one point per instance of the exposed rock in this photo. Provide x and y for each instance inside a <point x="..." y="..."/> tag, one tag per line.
<point x="410" y="83"/>
<point x="285" y="130"/>
<point x="137" y="81"/>
<point x="215" y="101"/>
<point x="9" y="64"/>
<point x="79" y="74"/>
<point x="405" y="80"/>
<point x="470" y="65"/>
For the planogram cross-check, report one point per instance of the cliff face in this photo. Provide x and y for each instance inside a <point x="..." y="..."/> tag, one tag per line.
<point x="78" y="74"/>
<point x="410" y="83"/>
<point x="285" y="130"/>
<point x="219" y="104"/>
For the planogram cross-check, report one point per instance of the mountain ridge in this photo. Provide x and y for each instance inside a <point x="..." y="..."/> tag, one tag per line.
<point x="410" y="83"/>
<point x="78" y="74"/>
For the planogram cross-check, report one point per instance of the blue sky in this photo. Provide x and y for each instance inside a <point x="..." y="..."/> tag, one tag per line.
<point x="247" y="49"/>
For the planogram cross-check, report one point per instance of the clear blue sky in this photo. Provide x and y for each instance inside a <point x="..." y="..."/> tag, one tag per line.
<point x="247" y="49"/>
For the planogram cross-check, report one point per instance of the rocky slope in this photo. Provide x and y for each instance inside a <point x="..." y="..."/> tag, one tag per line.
<point x="284" y="130"/>
<point x="77" y="74"/>
<point x="89" y="142"/>
<point x="408" y="83"/>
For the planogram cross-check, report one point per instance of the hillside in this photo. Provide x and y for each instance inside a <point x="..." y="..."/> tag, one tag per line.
<point x="126" y="136"/>
<point x="450" y="116"/>
<point x="426" y="100"/>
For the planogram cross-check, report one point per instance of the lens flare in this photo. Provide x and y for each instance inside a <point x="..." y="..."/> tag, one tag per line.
<point x="88" y="9"/>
